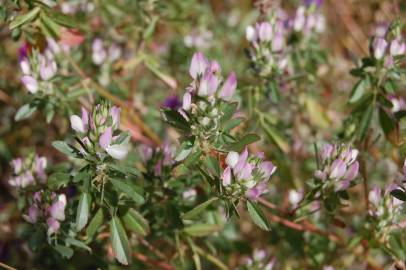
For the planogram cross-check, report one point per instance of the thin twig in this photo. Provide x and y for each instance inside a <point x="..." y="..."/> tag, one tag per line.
<point x="159" y="264"/>
<point x="7" y="267"/>
<point x="304" y="226"/>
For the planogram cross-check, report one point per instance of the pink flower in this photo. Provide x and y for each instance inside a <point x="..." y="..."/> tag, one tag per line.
<point x="226" y="176"/>
<point x="208" y="84"/>
<point x="397" y="47"/>
<point x="53" y="226"/>
<point x="30" y="83"/>
<point x="105" y="138"/>
<point x="379" y="46"/>
<point x="338" y="169"/>
<point x="256" y="192"/>
<point x="115" y="115"/>
<point x="198" y="65"/>
<point x="47" y="68"/>
<point x="229" y="86"/>
<point x="187" y="101"/>
<point x="267" y="169"/>
<point x="57" y="209"/>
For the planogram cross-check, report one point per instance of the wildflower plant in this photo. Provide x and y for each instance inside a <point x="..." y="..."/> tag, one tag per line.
<point x="155" y="156"/>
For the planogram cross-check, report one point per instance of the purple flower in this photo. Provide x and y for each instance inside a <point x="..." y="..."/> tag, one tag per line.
<point x="326" y="152"/>
<point x="242" y="160"/>
<point x="99" y="54"/>
<point x="256" y="192"/>
<point x="267" y="169"/>
<point x="208" y="84"/>
<point x="277" y="42"/>
<point x="40" y="166"/>
<point x="215" y="67"/>
<point x="23" y="51"/>
<point x="33" y="213"/>
<point x="146" y="152"/>
<point x="47" y="68"/>
<point x="352" y="171"/>
<point x="57" y="209"/>
<point x="198" y="65"/>
<point x="229" y="86"/>
<point x="338" y="169"/>
<point x="30" y="83"/>
<point x="17" y="165"/>
<point x="264" y="30"/>
<point x="187" y="101"/>
<point x="226" y="176"/>
<point x="318" y="3"/>
<point x="379" y="46"/>
<point x="115" y="115"/>
<point x="105" y="138"/>
<point x="374" y="196"/>
<point x="397" y="47"/>
<point x="172" y="102"/>
<point x="53" y="226"/>
<point x="246" y="172"/>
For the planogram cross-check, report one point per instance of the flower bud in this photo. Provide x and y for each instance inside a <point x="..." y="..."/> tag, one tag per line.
<point x="250" y="33"/>
<point x="187" y="101"/>
<point x="77" y="124"/>
<point x="226" y="177"/>
<point x="30" y="83"/>
<point x="379" y="47"/>
<point x="47" y="68"/>
<point x="397" y="47"/>
<point x="229" y="86"/>
<point x="232" y="159"/>
<point x="198" y="65"/>
<point x="105" y="138"/>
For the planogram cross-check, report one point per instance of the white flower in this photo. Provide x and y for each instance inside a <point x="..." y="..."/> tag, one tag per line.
<point x="77" y="124"/>
<point x="117" y="151"/>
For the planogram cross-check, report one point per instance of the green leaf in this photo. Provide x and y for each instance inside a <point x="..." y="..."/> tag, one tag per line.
<point x="258" y="216"/>
<point x="65" y="148"/>
<point x="184" y="151"/>
<point x="358" y="91"/>
<point x="58" y="180"/>
<point x="82" y="214"/>
<point x="136" y="222"/>
<point x="95" y="223"/>
<point x="200" y="230"/>
<point x="388" y="125"/>
<point x="399" y="194"/>
<point x="25" y="18"/>
<point x="198" y="209"/>
<point x="276" y="137"/>
<point x="128" y="190"/>
<point x="66" y="252"/>
<point x="77" y="243"/>
<point x="175" y="119"/>
<point x="124" y="169"/>
<point x="228" y="111"/>
<point x="62" y="19"/>
<point x="365" y="121"/>
<point x="229" y="125"/>
<point x="119" y="241"/>
<point x="49" y="27"/>
<point x="24" y="112"/>
<point x="244" y="141"/>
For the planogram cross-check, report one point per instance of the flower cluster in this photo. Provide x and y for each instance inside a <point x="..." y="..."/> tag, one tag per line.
<point x="28" y="171"/>
<point x="202" y="102"/>
<point x="47" y="208"/>
<point x="104" y="56"/>
<point x="159" y="159"/>
<point x="246" y="175"/>
<point x="271" y="40"/>
<point x="386" y="49"/>
<point x="384" y="208"/>
<point x="260" y="260"/>
<point x="338" y="166"/>
<point x="98" y="132"/>
<point x="38" y="70"/>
